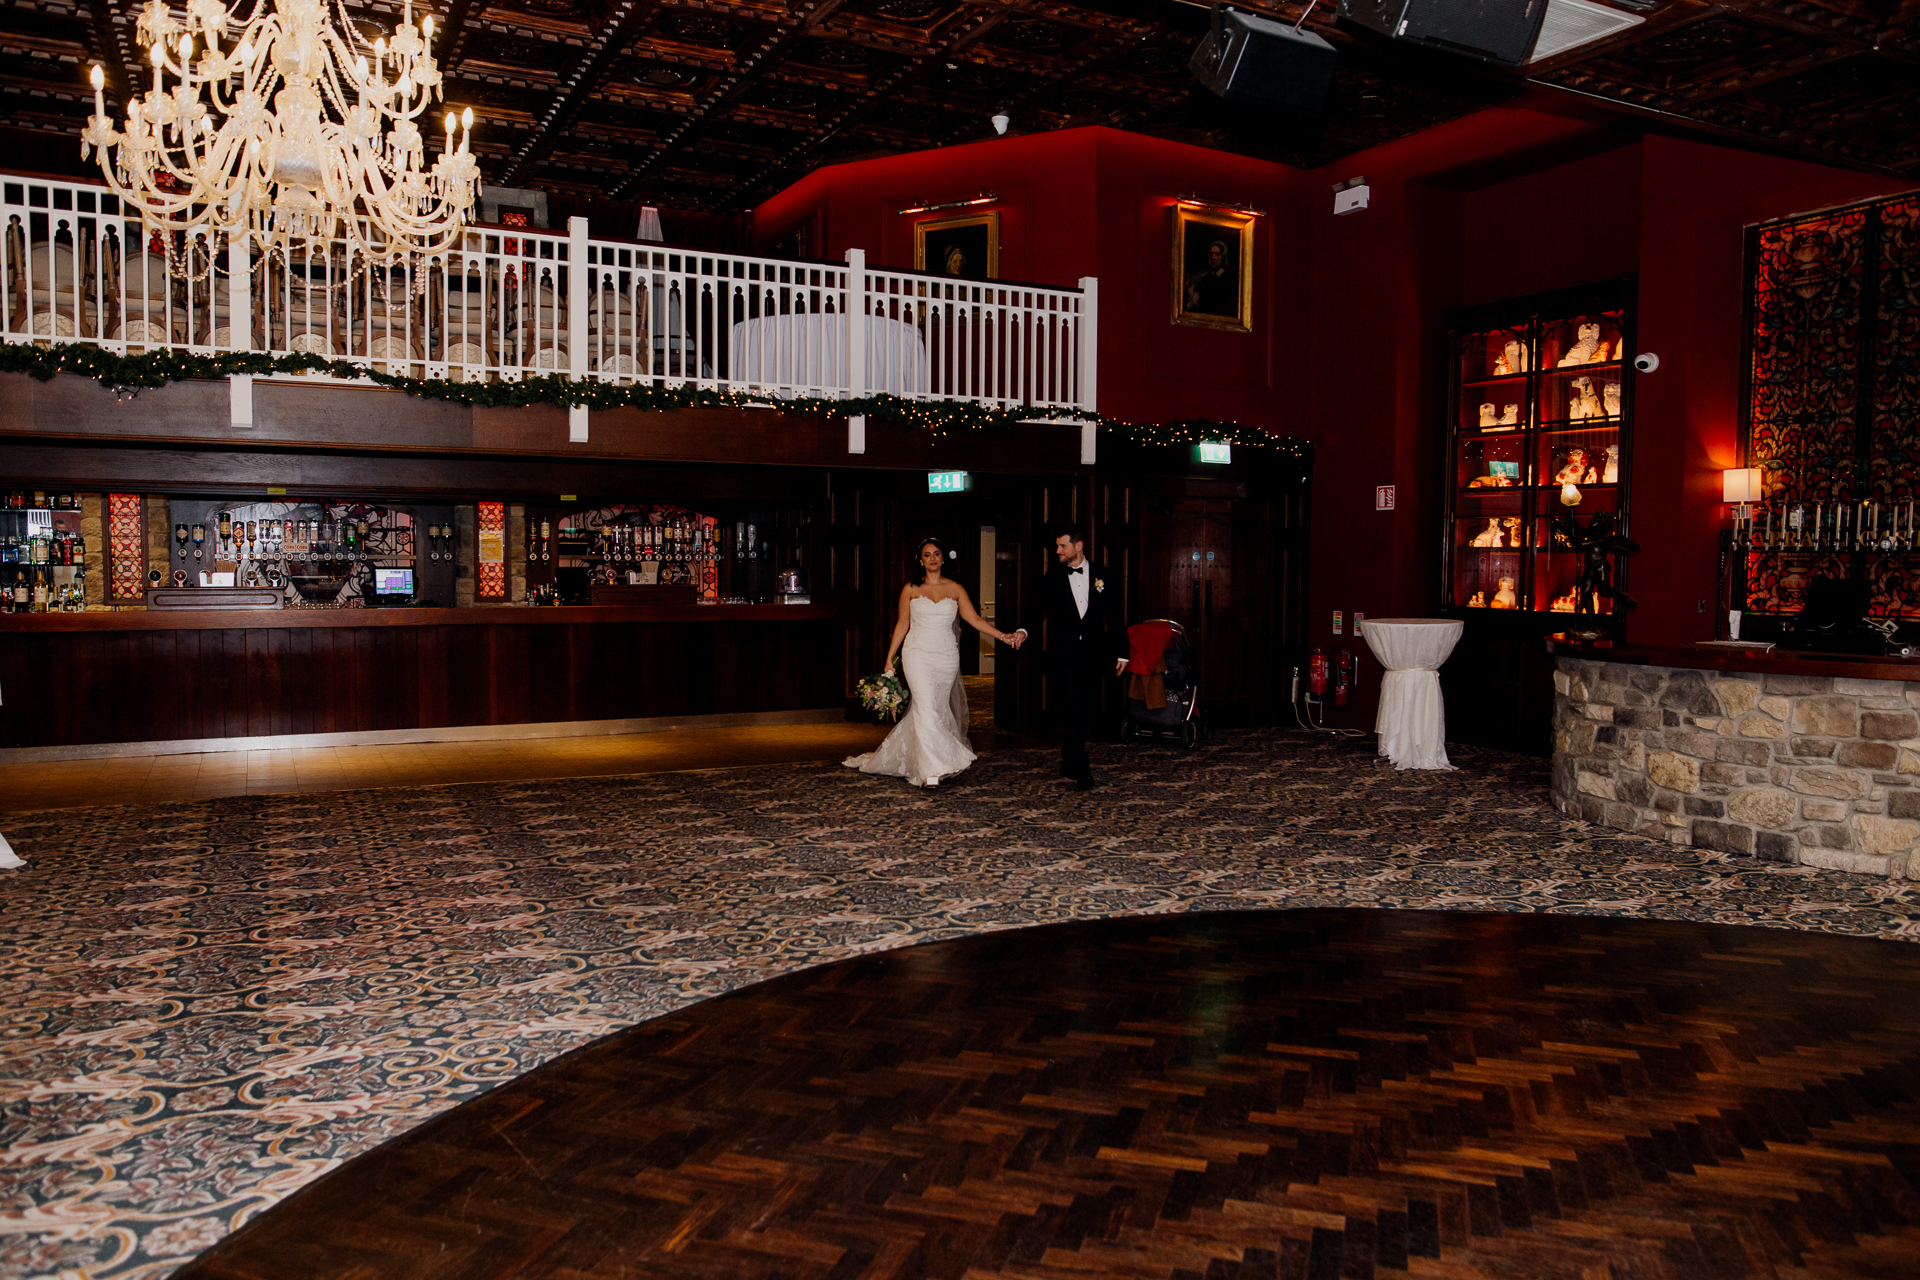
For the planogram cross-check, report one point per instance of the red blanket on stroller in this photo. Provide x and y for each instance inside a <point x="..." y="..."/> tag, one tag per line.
<point x="1146" y="649"/>
<point x="1146" y="643"/>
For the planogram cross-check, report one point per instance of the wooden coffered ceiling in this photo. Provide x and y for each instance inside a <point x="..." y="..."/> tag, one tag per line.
<point x="715" y="104"/>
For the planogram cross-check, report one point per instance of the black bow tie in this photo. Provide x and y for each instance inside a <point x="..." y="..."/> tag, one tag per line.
<point x="1081" y="569"/>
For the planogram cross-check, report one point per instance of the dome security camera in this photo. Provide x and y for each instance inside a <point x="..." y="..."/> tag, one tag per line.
<point x="1646" y="362"/>
<point x="1000" y="122"/>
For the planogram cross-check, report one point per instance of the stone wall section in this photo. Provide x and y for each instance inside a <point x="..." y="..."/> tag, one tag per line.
<point x="1818" y="770"/>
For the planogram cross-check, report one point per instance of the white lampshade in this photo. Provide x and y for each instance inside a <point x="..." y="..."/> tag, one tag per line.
<point x="1740" y="484"/>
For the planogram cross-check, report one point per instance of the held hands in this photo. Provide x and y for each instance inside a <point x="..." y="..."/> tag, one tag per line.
<point x="1015" y="640"/>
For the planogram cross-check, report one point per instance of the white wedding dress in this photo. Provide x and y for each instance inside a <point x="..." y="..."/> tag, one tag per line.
<point x="930" y="742"/>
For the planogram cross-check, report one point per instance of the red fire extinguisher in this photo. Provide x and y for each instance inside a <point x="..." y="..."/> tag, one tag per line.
<point x="1344" y="665"/>
<point x="1317" y="672"/>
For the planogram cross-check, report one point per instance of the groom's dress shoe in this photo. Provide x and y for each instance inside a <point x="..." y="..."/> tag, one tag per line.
<point x="1087" y="783"/>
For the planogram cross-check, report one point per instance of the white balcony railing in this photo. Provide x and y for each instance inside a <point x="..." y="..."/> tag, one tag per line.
<point x="515" y="304"/>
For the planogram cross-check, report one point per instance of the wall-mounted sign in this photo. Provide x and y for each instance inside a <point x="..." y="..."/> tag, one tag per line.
<point x="1383" y="497"/>
<point x="949" y="481"/>
<point x="1216" y="451"/>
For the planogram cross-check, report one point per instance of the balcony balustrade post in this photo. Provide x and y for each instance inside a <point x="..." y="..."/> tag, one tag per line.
<point x="857" y="327"/>
<point x="239" y="328"/>
<point x="579" y="274"/>
<point x="1089" y="344"/>
<point x="240" y="291"/>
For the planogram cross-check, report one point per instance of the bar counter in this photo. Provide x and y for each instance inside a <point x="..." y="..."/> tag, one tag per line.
<point x="75" y="679"/>
<point x="1698" y="657"/>
<point x="483" y="615"/>
<point x="1808" y="758"/>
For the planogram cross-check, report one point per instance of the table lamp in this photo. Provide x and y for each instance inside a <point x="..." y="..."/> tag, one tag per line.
<point x="1741" y="486"/>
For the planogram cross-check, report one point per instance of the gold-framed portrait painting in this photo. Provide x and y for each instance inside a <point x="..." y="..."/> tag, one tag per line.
<point x="967" y="246"/>
<point x="1213" y="268"/>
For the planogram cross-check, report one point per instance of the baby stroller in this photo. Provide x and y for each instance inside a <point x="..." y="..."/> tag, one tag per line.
<point x="1179" y="674"/>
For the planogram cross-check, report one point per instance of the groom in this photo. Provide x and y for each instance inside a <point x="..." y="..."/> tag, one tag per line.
<point x="1084" y="633"/>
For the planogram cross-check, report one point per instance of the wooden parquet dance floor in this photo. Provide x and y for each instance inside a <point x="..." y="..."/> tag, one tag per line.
<point x="1302" y="1095"/>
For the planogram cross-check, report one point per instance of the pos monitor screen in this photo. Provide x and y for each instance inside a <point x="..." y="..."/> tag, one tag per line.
<point x="393" y="582"/>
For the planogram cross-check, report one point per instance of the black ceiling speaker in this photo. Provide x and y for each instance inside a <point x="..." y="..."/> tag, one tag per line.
<point x="1251" y="59"/>
<point x="1492" y="30"/>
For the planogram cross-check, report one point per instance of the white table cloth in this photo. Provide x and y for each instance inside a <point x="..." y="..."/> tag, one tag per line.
<point x="803" y="353"/>
<point x="1413" y="716"/>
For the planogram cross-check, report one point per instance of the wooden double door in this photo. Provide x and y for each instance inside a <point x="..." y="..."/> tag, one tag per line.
<point x="1222" y="555"/>
<point x="1187" y="576"/>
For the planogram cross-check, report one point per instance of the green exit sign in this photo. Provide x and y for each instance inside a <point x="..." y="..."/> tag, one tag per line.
<point x="948" y="482"/>
<point x="1215" y="451"/>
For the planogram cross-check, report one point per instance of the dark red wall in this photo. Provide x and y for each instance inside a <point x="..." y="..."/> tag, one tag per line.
<point x="1053" y="188"/>
<point x="1696" y="201"/>
<point x="1347" y="344"/>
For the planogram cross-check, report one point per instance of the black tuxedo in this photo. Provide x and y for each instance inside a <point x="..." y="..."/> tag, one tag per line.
<point x="1080" y="651"/>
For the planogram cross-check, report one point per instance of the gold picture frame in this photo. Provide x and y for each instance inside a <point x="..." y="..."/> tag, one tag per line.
<point x="974" y="236"/>
<point x="1210" y="292"/>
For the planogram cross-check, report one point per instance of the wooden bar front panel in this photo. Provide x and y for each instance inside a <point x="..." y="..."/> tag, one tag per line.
<point x="73" y="687"/>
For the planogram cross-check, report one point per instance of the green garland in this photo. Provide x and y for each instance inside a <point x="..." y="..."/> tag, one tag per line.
<point x="158" y="368"/>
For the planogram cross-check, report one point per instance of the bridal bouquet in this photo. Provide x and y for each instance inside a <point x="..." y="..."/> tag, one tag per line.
<point x="885" y="694"/>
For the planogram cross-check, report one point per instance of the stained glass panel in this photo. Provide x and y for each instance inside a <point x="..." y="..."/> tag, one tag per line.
<point x="1835" y="386"/>
<point x="490" y="582"/>
<point x="1806" y="344"/>
<point x="126" y="548"/>
<point x="1894" y="413"/>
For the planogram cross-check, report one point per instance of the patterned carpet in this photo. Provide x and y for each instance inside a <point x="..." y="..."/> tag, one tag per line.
<point x="206" y="1006"/>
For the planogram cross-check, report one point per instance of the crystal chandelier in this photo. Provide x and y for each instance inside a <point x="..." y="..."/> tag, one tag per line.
<point x="296" y="129"/>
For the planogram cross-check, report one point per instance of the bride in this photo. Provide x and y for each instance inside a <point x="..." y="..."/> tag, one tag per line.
<point x="930" y="742"/>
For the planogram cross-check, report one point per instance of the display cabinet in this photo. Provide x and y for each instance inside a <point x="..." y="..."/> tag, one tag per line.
<point x="1540" y="417"/>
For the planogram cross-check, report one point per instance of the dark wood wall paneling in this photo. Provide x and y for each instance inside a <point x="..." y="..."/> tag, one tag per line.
<point x="332" y="439"/>
<point x="73" y="687"/>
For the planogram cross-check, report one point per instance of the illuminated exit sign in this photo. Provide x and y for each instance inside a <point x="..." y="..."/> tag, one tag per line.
<point x="948" y="482"/>
<point x="1215" y="451"/>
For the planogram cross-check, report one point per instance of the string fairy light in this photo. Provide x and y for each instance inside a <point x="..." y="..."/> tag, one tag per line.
<point x="940" y="418"/>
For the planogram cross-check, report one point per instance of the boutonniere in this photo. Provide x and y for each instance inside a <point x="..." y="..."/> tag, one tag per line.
<point x="1099" y="584"/>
